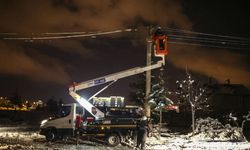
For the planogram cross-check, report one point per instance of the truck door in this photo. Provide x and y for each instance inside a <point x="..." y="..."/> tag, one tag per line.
<point x="66" y="119"/>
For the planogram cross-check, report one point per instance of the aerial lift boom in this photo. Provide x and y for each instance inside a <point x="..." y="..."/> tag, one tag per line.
<point x="160" y="51"/>
<point x="102" y="80"/>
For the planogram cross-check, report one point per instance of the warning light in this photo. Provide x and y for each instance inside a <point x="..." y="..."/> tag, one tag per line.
<point x="173" y="107"/>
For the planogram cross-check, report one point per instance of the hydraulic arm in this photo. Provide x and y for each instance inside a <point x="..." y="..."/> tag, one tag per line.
<point x="102" y="80"/>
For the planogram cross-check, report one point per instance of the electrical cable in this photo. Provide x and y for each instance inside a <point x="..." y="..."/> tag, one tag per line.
<point x="211" y="42"/>
<point x="7" y="33"/>
<point x="68" y="36"/>
<point x="205" y="45"/>
<point x="185" y="37"/>
<point x="206" y="34"/>
<point x="223" y="41"/>
<point x="63" y="33"/>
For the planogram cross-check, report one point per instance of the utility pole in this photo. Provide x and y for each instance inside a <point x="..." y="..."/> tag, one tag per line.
<point x="160" y="50"/>
<point x="148" y="78"/>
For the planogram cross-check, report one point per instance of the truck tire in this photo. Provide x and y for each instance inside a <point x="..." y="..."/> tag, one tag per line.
<point x="50" y="135"/>
<point x="113" y="139"/>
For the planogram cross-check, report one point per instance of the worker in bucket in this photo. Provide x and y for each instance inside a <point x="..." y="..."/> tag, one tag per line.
<point x="142" y="127"/>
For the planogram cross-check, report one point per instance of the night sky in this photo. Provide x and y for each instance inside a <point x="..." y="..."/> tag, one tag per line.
<point x="41" y="69"/>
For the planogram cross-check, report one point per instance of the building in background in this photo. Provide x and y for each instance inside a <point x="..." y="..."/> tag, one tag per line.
<point x="112" y="101"/>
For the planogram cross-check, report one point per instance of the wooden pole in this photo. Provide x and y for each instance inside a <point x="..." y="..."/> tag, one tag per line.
<point x="148" y="79"/>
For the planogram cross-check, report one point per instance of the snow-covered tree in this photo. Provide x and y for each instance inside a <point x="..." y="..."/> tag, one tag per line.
<point x="192" y="92"/>
<point x="158" y="97"/>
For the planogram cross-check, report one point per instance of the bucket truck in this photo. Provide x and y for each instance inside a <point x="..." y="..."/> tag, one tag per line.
<point x="85" y="119"/>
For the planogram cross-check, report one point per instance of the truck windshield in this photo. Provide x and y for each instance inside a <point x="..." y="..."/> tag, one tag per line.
<point x="79" y="110"/>
<point x="64" y="111"/>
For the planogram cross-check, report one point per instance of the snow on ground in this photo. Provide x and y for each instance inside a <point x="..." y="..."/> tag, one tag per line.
<point x="209" y="134"/>
<point x="27" y="138"/>
<point x="183" y="142"/>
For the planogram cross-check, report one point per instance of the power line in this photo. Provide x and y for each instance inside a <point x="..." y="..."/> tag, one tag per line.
<point x="223" y="41"/>
<point x="183" y="37"/>
<point x="206" y="45"/>
<point x="8" y="33"/>
<point x="64" y="33"/>
<point x="86" y="34"/>
<point x="206" y="34"/>
<point x="209" y="41"/>
<point x="68" y="36"/>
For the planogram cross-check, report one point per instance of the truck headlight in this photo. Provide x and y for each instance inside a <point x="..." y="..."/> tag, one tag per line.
<point x="43" y="122"/>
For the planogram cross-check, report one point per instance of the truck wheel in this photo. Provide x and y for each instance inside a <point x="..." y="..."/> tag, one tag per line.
<point x="113" y="140"/>
<point x="50" y="135"/>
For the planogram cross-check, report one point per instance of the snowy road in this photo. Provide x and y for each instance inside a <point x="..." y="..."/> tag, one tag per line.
<point x="27" y="138"/>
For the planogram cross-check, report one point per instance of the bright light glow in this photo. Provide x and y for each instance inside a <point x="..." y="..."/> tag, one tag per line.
<point x="43" y="122"/>
<point x="88" y="106"/>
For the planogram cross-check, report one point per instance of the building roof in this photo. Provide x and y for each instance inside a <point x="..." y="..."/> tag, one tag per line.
<point x="237" y="89"/>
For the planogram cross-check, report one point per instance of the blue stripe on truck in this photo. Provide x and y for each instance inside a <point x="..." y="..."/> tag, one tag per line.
<point x="99" y="81"/>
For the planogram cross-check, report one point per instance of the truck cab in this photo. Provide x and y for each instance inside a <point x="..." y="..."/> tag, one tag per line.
<point x="63" y="124"/>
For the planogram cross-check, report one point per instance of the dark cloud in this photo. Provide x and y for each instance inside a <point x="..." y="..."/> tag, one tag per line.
<point x="56" y="15"/>
<point x="217" y="63"/>
<point x="69" y="4"/>
<point x="29" y="16"/>
<point x="72" y="46"/>
<point x="16" y="62"/>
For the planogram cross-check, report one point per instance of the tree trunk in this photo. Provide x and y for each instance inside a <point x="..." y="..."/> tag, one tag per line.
<point x="193" y="118"/>
<point x="160" y="125"/>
